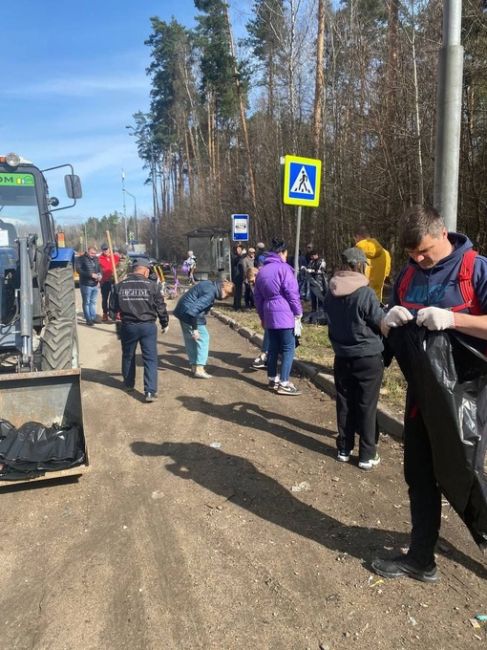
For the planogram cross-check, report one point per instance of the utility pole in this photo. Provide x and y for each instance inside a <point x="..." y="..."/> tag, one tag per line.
<point x="136" y="229"/>
<point x="449" y="114"/>
<point x="125" y="210"/>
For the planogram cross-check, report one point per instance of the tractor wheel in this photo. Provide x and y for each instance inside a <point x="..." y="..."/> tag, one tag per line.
<point x="59" y="345"/>
<point x="59" y="294"/>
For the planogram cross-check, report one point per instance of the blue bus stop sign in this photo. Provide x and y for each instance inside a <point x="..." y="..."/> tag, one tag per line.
<point x="240" y="227"/>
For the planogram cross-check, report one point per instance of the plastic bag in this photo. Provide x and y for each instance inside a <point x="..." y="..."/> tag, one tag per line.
<point x="34" y="447"/>
<point x="452" y="401"/>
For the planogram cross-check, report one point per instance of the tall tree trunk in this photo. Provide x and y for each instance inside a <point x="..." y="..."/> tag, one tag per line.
<point x="416" y="108"/>
<point x="319" y="81"/>
<point x="291" y="75"/>
<point x="243" y="119"/>
<point x="189" y="168"/>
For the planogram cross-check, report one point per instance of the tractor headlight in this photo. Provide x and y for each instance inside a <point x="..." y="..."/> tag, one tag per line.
<point x="12" y="159"/>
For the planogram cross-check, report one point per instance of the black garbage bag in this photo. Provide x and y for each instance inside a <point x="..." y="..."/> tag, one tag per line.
<point x="319" y="288"/>
<point x="34" y="448"/>
<point x="453" y="404"/>
<point x="5" y="428"/>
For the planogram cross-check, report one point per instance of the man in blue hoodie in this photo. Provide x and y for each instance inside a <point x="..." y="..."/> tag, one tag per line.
<point x="429" y="288"/>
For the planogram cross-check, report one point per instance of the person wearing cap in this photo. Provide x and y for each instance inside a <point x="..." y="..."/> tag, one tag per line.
<point x="354" y="327"/>
<point x="140" y="303"/>
<point x="247" y="262"/>
<point x="107" y="262"/>
<point x="276" y="296"/>
<point x="260" y="255"/>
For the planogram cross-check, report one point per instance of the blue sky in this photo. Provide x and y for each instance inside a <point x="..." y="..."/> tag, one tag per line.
<point x="73" y="74"/>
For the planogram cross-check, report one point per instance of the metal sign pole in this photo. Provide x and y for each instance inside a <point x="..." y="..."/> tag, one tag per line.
<point x="449" y="115"/>
<point x="296" y="250"/>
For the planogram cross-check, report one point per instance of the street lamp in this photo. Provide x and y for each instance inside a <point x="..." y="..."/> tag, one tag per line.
<point x="136" y="227"/>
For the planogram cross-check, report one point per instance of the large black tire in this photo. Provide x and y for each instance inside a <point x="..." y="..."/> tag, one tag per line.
<point x="59" y="345"/>
<point x="59" y="294"/>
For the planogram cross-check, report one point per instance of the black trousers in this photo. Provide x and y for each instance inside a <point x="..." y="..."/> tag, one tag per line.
<point x="357" y="383"/>
<point x="105" y="288"/>
<point x="424" y="493"/>
<point x="248" y="296"/>
<point x="146" y="335"/>
<point x="237" y="296"/>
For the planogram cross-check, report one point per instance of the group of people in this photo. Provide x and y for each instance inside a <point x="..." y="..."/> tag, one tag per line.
<point x="96" y="273"/>
<point x="442" y="287"/>
<point x="245" y="264"/>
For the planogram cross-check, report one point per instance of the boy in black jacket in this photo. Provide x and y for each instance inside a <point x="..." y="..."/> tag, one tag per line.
<point x="354" y="326"/>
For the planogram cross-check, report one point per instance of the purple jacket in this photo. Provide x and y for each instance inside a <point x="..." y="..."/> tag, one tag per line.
<point x="276" y="294"/>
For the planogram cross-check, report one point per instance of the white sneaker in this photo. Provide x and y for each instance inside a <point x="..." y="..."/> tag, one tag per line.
<point x="200" y="373"/>
<point x="369" y="464"/>
<point x="288" y="389"/>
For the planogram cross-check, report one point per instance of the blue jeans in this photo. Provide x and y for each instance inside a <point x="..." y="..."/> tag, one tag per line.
<point x="281" y="342"/>
<point x="197" y="351"/>
<point x="265" y="342"/>
<point x="146" y="335"/>
<point x="89" y="296"/>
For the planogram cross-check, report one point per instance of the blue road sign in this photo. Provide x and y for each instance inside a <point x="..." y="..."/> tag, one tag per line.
<point x="301" y="181"/>
<point x="240" y="227"/>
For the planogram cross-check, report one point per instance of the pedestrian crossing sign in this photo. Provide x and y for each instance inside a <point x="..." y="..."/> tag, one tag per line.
<point x="302" y="178"/>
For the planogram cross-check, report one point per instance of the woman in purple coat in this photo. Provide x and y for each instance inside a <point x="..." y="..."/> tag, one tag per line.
<point x="277" y="300"/>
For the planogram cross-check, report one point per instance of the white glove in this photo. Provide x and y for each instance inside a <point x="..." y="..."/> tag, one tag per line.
<point x="435" y="318"/>
<point x="195" y="335"/>
<point x="165" y="330"/>
<point x="298" y="326"/>
<point x="397" y="316"/>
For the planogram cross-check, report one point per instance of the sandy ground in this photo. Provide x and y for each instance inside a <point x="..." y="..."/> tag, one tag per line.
<point x="219" y="518"/>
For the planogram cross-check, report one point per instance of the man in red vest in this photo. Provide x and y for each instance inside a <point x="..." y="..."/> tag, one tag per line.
<point x="443" y="286"/>
<point x="106" y="266"/>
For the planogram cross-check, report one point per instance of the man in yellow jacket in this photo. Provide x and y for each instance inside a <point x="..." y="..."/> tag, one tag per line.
<point x="378" y="259"/>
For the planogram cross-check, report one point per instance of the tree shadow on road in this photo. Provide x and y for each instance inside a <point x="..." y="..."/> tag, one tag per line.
<point x="233" y="359"/>
<point x="180" y="365"/>
<point x="258" y="419"/>
<point x="238" y="480"/>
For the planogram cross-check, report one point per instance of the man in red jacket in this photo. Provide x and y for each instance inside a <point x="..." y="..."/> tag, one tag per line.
<point x="106" y="266"/>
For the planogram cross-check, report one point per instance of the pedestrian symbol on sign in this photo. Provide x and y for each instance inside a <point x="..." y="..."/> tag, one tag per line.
<point x="302" y="184"/>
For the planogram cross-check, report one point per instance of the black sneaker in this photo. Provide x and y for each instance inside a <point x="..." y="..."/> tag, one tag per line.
<point x="402" y="566"/>
<point x="150" y="397"/>
<point x="259" y="363"/>
<point x="129" y="389"/>
<point x="273" y="384"/>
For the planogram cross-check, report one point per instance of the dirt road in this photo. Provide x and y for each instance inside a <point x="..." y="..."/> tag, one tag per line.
<point x="218" y="518"/>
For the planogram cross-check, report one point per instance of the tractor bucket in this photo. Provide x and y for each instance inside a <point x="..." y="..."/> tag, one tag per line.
<point x="47" y="397"/>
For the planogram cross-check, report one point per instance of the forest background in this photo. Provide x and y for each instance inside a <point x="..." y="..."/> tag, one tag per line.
<point x="353" y="84"/>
